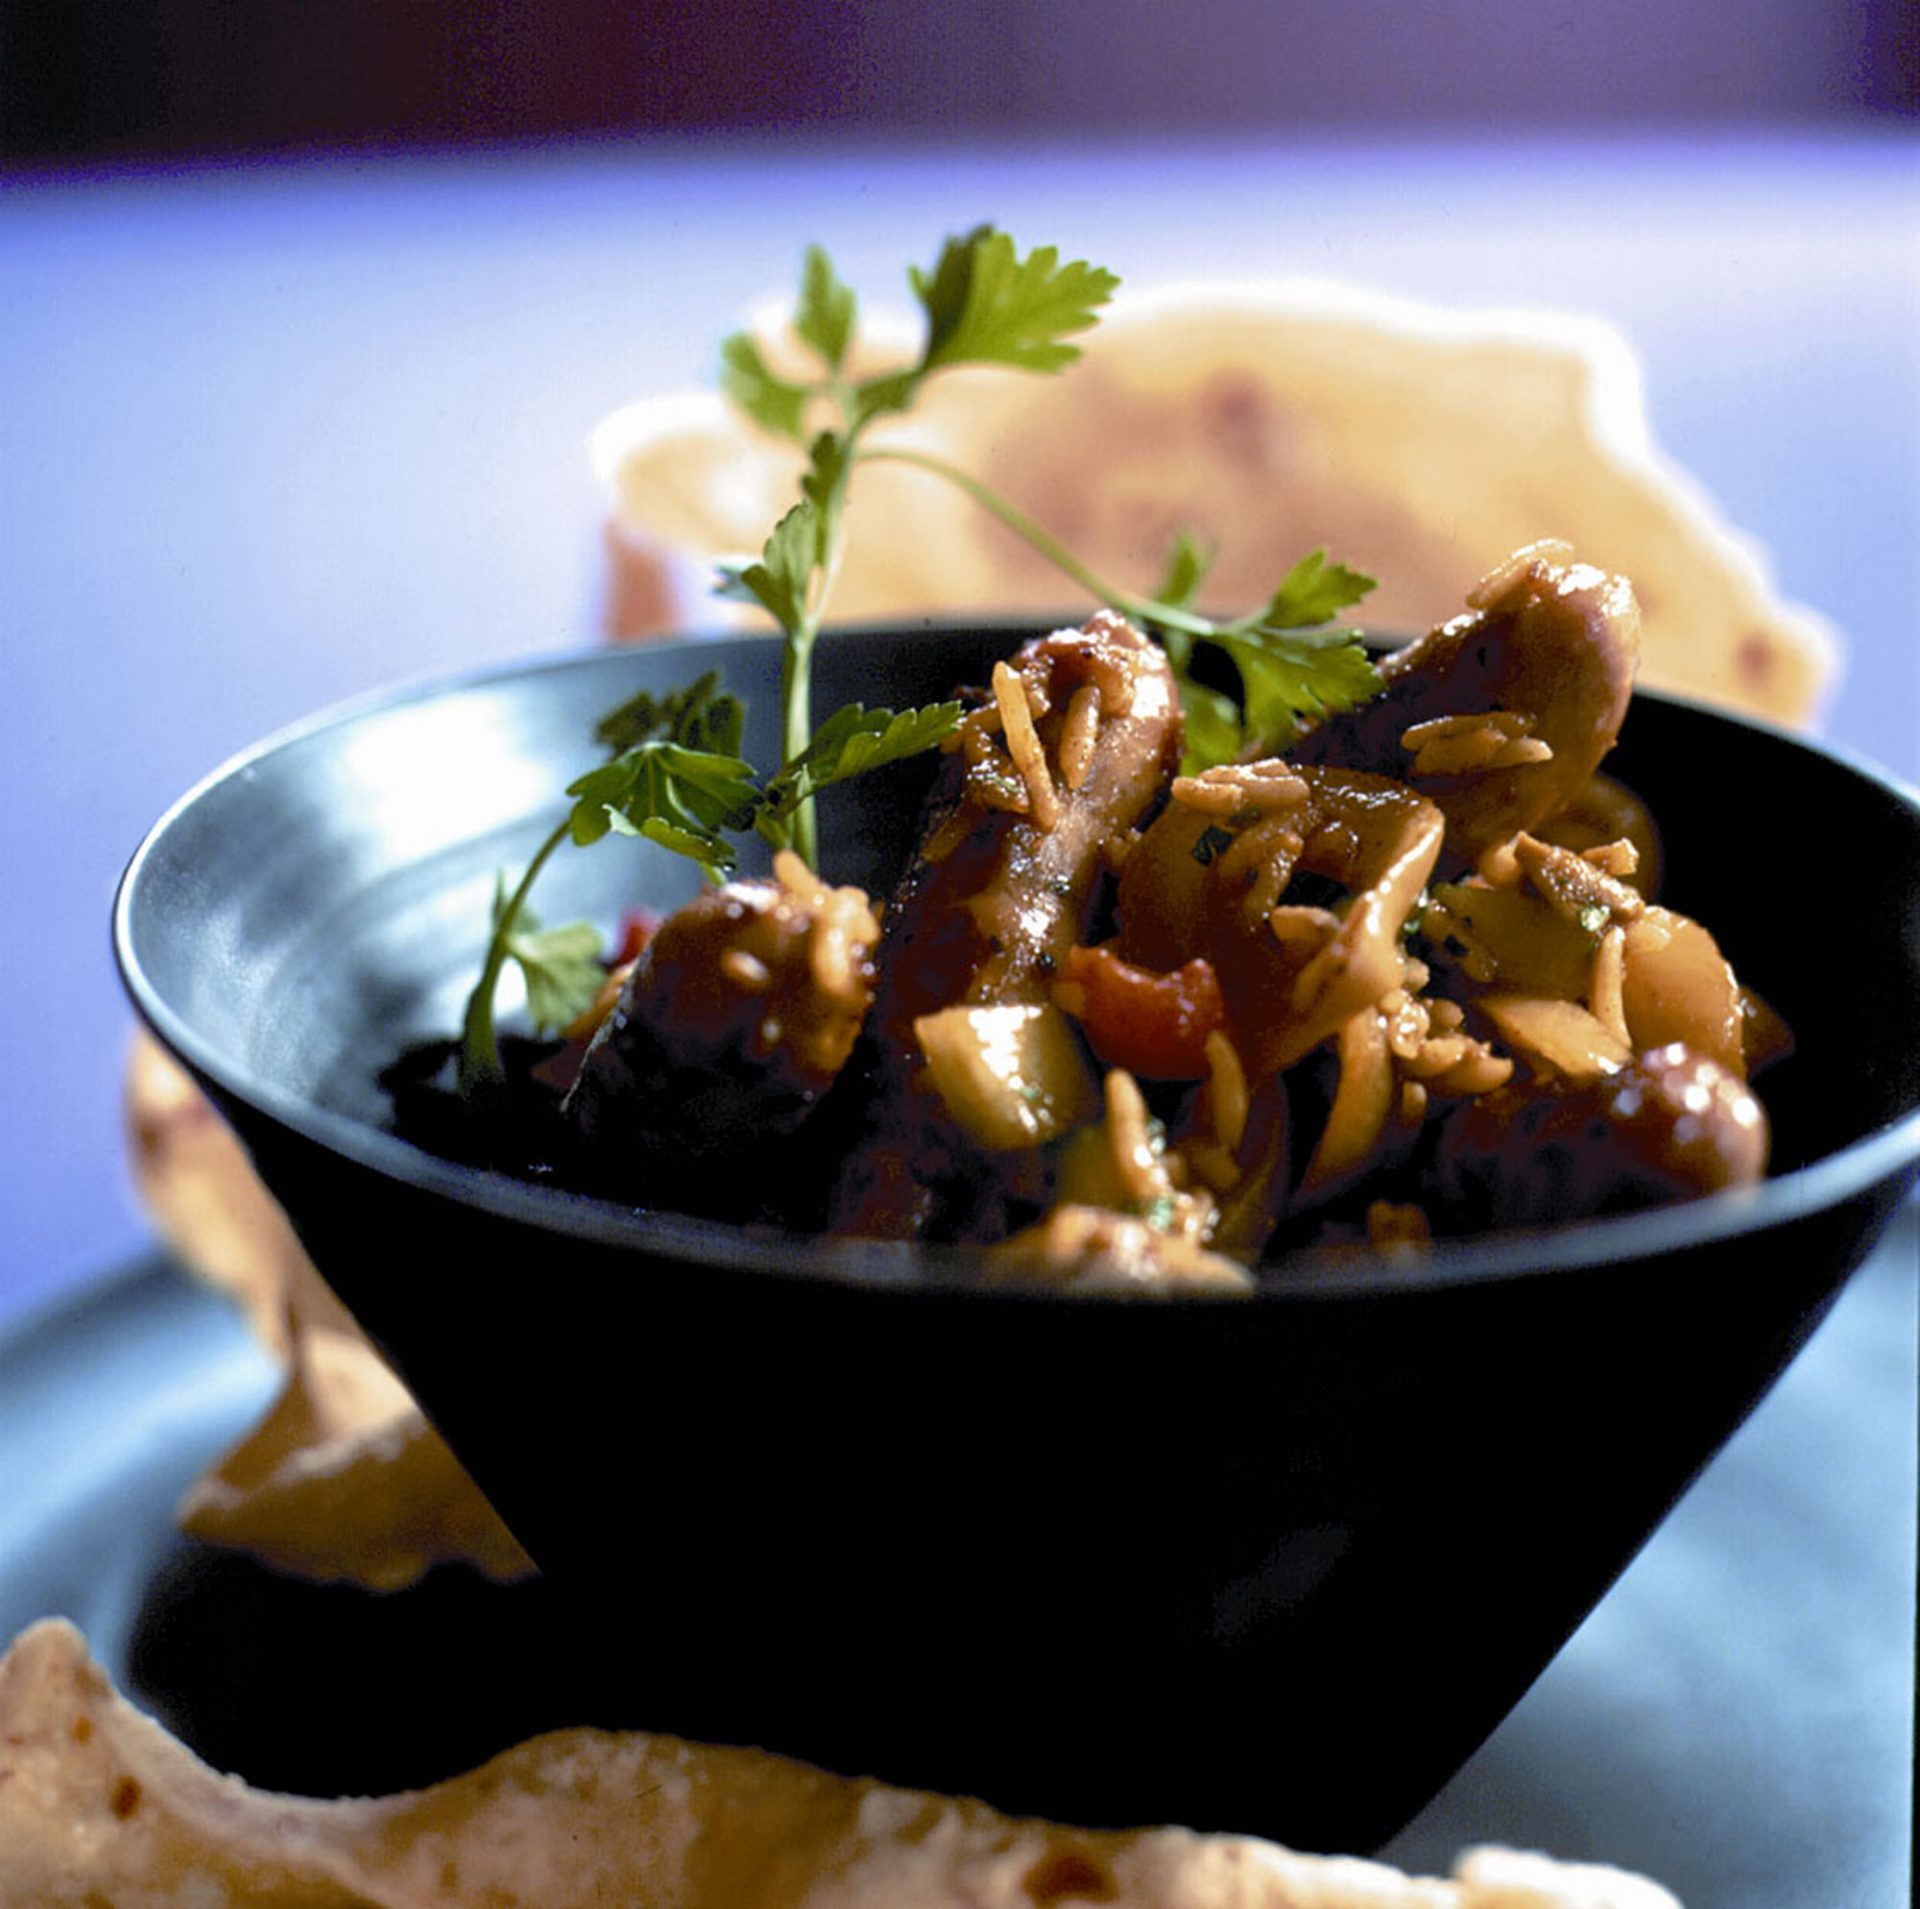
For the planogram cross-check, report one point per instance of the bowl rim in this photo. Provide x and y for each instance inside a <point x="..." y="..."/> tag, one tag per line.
<point x="1323" y="1274"/>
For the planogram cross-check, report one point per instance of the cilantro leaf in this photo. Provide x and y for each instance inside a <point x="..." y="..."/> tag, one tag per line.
<point x="825" y="314"/>
<point x="987" y="305"/>
<point x="681" y="798"/>
<point x="1289" y="667"/>
<point x="824" y="486"/>
<point x="677" y="777"/>
<point x="890" y="391"/>
<point x="1288" y="675"/>
<point x="1187" y="567"/>
<point x="1213" y="729"/>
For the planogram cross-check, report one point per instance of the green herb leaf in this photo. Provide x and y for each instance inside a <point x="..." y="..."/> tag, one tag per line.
<point x="824" y="317"/>
<point x="1287" y="676"/>
<point x="852" y="741"/>
<point x="780" y="580"/>
<point x="677" y="779"/>
<point x="679" y="797"/>
<point x="702" y="716"/>
<point x="855" y="739"/>
<point x="824" y="486"/>
<point x="987" y="305"/>
<point x="1290" y="668"/>
<point x="1187" y="567"/>
<point x="774" y="403"/>
<point x="1214" y="732"/>
<point x="1314" y="591"/>
<point x="890" y="391"/>
<point x="1211" y="843"/>
<point x="561" y="966"/>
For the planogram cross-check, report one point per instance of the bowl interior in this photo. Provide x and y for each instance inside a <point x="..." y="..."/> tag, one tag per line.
<point x="322" y="903"/>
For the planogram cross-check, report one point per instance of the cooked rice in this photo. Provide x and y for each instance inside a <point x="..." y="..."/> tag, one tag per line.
<point x="1130" y="1138"/>
<point x="1606" y="992"/>
<point x="1470" y="744"/>
<point x="1023" y="745"/>
<point x="1226" y="1090"/>
<point x="1242" y="788"/>
<point x="1078" y="733"/>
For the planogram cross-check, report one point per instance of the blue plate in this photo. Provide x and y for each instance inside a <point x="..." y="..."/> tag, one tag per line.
<point x="1735" y="1719"/>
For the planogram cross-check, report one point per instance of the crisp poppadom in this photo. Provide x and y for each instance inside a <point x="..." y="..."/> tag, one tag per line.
<point x="1418" y="444"/>
<point x="343" y="1479"/>
<point x="99" y="1804"/>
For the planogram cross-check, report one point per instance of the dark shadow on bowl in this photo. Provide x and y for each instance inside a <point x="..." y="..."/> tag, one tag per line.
<point x="1277" y="1565"/>
<point x="330" y="1690"/>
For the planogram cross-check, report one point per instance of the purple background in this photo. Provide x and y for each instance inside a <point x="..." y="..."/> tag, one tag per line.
<point x="81" y="77"/>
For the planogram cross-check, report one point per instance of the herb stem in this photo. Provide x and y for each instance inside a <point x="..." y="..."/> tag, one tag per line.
<point x="796" y="684"/>
<point x="480" y="1045"/>
<point x="1044" y="543"/>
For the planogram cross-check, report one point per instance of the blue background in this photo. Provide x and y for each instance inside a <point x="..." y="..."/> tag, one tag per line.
<point x="276" y="433"/>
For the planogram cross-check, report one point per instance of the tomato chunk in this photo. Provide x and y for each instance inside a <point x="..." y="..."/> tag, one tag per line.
<point x="1152" y="1023"/>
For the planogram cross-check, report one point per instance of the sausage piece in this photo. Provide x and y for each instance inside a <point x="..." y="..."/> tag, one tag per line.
<point x="1548" y="651"/>
<point x="734" y="1022"/>
<point x="1670" y="1125"/>
<point x="1046" y="782"/>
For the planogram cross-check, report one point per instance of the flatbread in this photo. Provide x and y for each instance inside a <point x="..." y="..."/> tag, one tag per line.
<point x="199" y="1189"/>
<point x="99" y="1804"/>
<point x="1420" y="445"/>
<point x="344" y="1479"/>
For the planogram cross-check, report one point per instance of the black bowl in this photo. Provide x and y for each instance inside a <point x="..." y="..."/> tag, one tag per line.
<point x="1276" y="1565"/>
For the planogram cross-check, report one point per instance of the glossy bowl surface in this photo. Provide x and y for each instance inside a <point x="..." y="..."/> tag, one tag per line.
<point x="1276" y="1565"/>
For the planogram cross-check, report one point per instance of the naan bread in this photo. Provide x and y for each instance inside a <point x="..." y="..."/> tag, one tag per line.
<point x="1419" y="445"/>
<point x="99" y="1805"/>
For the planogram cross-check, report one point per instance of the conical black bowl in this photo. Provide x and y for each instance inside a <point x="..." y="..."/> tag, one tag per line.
<point x="1276" y="1565"/>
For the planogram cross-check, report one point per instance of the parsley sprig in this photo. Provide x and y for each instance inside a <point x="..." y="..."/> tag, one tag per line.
<point x="674" y="773"/>
<point x="1290" y="661"/>
<point x="984" y="304"/>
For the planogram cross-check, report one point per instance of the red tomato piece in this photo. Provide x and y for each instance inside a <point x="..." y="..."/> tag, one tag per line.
<point x="1153" y="1024"/>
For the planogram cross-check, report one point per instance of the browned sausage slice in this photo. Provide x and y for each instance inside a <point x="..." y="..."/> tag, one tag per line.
<point x="1546" y="653"/>
<point x="1045" y="783"/>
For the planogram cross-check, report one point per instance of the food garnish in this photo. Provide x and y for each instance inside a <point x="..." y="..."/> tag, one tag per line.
<point x="677" y="777"/>
<point x="1220" y="940"/>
